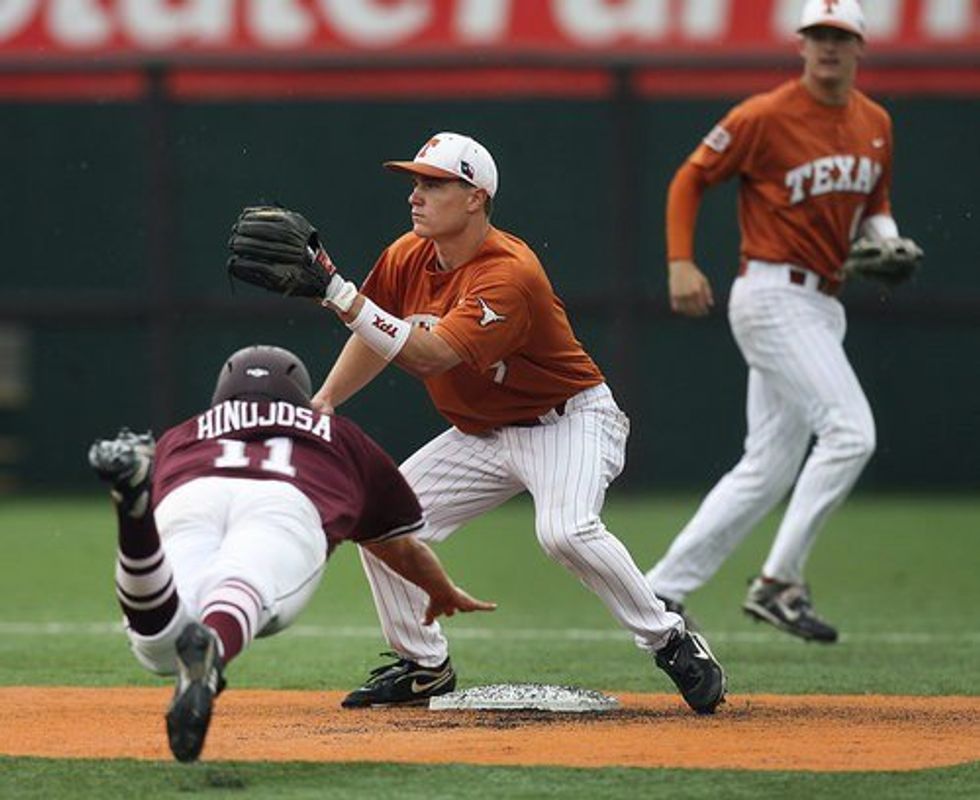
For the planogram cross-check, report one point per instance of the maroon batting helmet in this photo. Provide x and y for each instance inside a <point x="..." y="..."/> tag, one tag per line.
<point x="263" y="372"/>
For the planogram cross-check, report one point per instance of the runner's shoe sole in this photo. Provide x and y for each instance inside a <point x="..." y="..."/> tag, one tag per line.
<point x="199" y="681"/>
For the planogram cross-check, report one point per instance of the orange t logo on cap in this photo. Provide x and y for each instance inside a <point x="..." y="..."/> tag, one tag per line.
<point x="829" y="5"/>
<point x="431" y="143"/>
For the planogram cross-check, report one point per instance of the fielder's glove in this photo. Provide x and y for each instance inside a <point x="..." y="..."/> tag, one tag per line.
<point x="889" y="261"/>
<point x="279" y="250"/>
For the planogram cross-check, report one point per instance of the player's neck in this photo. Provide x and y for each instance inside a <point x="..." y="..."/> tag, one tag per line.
<point x="829" y="93"/>
<point x="455" y="250"/>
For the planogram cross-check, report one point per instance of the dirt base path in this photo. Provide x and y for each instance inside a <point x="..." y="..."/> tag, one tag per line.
<point x="759" y="732"/>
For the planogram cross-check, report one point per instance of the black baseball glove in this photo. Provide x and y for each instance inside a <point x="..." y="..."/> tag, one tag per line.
<point x="278" y="250"/>
<point x="888" y="261"/>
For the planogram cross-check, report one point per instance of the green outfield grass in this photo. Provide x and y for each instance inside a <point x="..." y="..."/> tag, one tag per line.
<point x="897" y="574"/>
<point x="37" y="779"/>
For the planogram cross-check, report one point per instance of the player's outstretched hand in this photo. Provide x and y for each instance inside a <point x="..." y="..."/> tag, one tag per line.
<point x="690" y="291"/>
<point x="321" y="404"/>
<point x="453" y="601"/>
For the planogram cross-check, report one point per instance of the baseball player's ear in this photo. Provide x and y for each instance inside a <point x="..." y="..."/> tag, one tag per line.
<point x="477" y="199"/>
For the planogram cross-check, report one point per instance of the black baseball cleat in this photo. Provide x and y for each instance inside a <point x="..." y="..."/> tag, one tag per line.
<point x="690" y="664"/>
<point x="199" y="681"/>
<point x="403" y="683"/>
<point x="126" y="464"/>
<point x="678" y="608"/>
<point x="788" y="607"/>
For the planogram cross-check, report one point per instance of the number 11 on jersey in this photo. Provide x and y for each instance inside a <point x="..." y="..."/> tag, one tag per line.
<point x="235" y="455"/>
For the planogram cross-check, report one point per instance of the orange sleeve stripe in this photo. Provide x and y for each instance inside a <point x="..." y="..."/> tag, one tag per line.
<point x="683" y="201"/>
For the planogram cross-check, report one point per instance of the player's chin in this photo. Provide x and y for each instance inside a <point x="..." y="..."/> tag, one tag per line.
<point x="419" y="228"/>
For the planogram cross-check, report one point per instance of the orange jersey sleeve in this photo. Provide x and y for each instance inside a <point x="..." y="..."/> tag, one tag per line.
<point x="502" y="317"/>
<point x="683" y="201"/>
<point x="809" y="173"/>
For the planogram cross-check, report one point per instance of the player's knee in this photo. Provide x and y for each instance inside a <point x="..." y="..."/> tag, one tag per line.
<point x="855" y="441"/>
<point x="765" y="478"/>
<point x="158" y="659"/>
<point x="247" y="589"/>
<point x="251" y="579"/>
<point x="562" y="542"/>
<point x="869" y="441"/>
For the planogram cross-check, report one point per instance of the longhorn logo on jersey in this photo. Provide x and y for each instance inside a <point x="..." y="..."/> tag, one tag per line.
<point x="837" y="173"/>
<point x="489" y="315"/>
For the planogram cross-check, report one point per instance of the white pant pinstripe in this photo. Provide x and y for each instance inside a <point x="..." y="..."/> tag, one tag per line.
<point x="567" y="465"/>
<point x="800" y="384"/>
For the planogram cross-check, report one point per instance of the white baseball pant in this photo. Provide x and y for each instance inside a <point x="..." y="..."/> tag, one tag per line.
<point x="264" y="534"/>
<point x="800" y="384"/>
<point x="566" y="463"/>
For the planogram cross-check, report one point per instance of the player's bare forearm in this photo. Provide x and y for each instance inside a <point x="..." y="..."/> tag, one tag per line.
<point x="355" y="367"/>
<point x="415" y="561"/>
<point x="424" y="353"/>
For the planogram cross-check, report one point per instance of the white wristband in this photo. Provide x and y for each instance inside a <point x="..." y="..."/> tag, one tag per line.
<point x="384" y="333"/>
<point x="878" y="227"/>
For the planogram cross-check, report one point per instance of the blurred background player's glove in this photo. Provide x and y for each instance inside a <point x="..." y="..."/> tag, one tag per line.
<point x="279" y="250"/>
<point x="889" y="261"/>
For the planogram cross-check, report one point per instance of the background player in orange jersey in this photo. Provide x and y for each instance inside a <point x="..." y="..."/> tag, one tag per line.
<point x="815" y="160"/>
<point x="468" y="309"/>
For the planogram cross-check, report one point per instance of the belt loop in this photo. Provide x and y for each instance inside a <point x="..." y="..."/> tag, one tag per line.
<point x="820" y="283"/>
<point x="534" y="423"/>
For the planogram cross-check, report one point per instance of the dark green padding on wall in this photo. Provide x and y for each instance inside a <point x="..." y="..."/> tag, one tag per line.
<point x="80" y="206"/>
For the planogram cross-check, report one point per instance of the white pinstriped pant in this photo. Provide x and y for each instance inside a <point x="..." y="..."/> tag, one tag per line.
<point x="800" y="385"/>
<point x="567" y="463"/>
<point x="266" y="533"/>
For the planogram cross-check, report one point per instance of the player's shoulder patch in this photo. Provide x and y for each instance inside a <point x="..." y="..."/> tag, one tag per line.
<point x="718" y="139"/>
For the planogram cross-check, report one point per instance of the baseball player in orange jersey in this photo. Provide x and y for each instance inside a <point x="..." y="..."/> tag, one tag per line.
<point x="468" y="309"/>
<point x="815" y="161"/>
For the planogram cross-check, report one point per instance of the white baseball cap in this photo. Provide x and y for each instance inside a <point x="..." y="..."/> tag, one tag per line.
<point x="452" y="155"/>
<point x="844" y="14"/>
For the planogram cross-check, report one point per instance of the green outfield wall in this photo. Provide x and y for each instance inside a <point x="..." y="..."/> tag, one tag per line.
<point x="116" y="308"/>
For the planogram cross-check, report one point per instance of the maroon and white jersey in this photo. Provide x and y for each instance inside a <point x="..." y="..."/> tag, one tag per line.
<point x="354" y="484"/>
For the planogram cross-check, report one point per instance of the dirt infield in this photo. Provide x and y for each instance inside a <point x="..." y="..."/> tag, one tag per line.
<point x="759" y="732"/>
